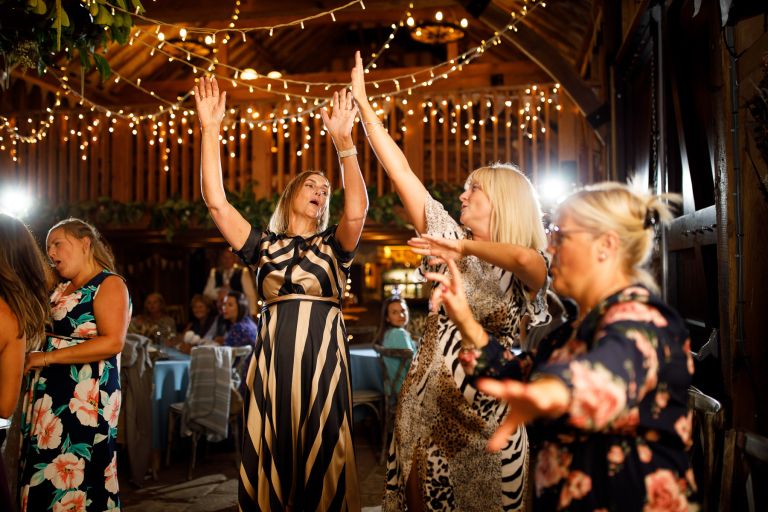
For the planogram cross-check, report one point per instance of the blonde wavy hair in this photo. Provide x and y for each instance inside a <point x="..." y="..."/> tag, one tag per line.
<point x="24" y="280"/>
<point x="278" y="223"/>
<point x="516" y="216"/>
<point x="628" y="211"/>
<point x="80" y="229"/>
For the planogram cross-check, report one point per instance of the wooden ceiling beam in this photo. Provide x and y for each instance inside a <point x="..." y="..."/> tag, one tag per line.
<point x="542" y="53"/>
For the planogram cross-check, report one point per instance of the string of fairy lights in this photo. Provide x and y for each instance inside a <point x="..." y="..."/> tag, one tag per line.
<point x="296" y="107"/>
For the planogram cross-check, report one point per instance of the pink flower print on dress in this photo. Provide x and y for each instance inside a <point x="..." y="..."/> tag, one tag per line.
<point x="49" y="431"/>
<point x="634" y="312"/>
<point x="112" y="408"/>
<point x="551" y="466"/>
<point x="598" y="398"/>
<point x="110" y="476"/>
<point x="644" y="453"/>
<point x="85" y="403"/>
<point x="73" y="501"/>
<point x="577" y="486"/>
<point x="65" y="304"/>
<point x="66" y="471"/>
<point x="663" y="493"/>
<point x="683" y="427"/>
<point x="650" y="360"/>
<point x="41" y="406"/>
<point x="85" y="330"/>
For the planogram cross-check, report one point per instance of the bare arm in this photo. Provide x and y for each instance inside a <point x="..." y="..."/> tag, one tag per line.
<point x="409" y="188"/>
<point x="110" y="308"/>
<point x="210" y="110"/>
<point x="11" y="360"/>
<point x="527" y="264"/>
<point x="339" y="125"/>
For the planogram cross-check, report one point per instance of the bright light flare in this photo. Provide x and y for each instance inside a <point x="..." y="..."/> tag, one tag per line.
<point x="15" y="201"/>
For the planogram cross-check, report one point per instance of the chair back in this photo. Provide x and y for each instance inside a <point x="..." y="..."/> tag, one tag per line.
<point x="404" y="356"/>
<point x="708" y="417"/>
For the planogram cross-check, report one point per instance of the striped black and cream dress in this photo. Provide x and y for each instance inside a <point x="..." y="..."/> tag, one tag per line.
<point x="297" y="447"/>
<point x="443" y="423"/>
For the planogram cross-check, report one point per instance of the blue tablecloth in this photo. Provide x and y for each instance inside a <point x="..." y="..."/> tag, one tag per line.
<point x="171" y="381"/>
<point x="365" y="369"/>
<point x="366" y="374"/>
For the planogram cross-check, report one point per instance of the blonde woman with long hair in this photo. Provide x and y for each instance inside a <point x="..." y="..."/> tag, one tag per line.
<point x="69" y="456"/>
<point x="609" y="388"/>
<point x="437" y="458"/>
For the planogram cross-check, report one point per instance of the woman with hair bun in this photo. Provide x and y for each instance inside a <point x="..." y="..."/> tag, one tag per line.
<point x="69" y="424"/>
<point x="609" y="389"/>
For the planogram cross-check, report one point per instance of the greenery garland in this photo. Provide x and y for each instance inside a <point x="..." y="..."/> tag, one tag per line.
<point x="177" y="215"/>
<point x="35" y="33"/>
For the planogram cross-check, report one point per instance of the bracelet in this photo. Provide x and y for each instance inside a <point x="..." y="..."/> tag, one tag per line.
<point x="45" y="359"/>
<point x="374" y="124"/>
<point x="348" y="152"/>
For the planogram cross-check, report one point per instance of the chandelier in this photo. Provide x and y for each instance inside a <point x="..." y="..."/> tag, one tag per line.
<point x="437" y="30"/>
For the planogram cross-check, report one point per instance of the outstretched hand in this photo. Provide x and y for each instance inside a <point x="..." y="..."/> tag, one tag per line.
<point x="339" y="124"/>
<point x="358" y="81"/>
<point x="545" y="397"/>
<point x="439" y="249"/>
<point x="210" y="104"/>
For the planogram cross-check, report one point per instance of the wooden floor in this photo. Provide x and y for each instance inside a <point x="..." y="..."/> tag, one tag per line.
<point x="213" y="487"/>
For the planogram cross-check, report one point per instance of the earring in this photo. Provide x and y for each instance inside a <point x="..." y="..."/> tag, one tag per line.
<point x="601" y="256"/>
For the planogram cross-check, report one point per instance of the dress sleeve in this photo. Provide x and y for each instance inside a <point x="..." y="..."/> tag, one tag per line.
<point x="249" y="252"/>
<point x="619" y="371"/>
<point x="344" y="257"/>
<point x="496" y="361"/>
<point x="536" y="308"/>
<point x="439" y="223"/>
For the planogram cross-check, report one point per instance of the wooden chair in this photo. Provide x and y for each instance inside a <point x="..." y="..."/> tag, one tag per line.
<point x="750" y="451"/>
<point x="404" y="356"/>
<point x="240" y="357"/>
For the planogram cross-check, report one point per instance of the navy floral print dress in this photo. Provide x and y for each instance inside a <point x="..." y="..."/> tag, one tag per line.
<point x="622" y="444"/>
<point x="69" y="422"/>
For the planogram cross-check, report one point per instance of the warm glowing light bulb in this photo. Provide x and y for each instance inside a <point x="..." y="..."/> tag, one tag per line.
<point x="439" y="15"/>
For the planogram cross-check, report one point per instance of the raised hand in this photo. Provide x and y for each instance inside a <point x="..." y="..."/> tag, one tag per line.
<point x="339" y="124"/>
<point x="440" y="249"/>
<point x="358" y="81"/>
<point x="450" y="294"/>
<point x="210" y="104"/>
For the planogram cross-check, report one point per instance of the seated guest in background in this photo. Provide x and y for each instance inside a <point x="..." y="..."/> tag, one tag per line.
<point x="154" y="323"/>
<point x="242" y="330"/>
<point x="23" y="312"/>
<point x="203" y="317"/>
<point x="608" y="389"/>
<point x="234" y="277"/>
<point x="392" y="334"/>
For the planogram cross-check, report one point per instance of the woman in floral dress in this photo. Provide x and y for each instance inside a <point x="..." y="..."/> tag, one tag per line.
<point x="609" y="388"/>
<point x="69" y="424"/>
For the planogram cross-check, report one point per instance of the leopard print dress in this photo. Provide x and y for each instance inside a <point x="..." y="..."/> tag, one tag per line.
<point x="443" y="423"/>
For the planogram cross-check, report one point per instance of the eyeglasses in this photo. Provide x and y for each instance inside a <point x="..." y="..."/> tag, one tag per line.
<point x="556" y="235"/>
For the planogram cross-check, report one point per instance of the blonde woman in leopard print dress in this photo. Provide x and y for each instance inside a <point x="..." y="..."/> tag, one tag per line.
<point x="437" y="459"/>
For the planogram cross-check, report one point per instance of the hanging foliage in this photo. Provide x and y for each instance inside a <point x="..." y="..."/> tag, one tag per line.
<point x="35" y="34"/>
